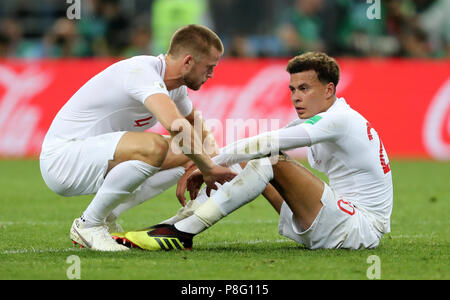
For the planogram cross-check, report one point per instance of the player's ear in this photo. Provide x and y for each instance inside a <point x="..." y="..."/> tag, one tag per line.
<point x="330" y="89"/>
<point x="188" y="61"/>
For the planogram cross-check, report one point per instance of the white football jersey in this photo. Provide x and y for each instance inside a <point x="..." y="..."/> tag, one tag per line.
<point x="349" y="151"/>
<point x="113" y="100"/>
<point x="343" y="145"/>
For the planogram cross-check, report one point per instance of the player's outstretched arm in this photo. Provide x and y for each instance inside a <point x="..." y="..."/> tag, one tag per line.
<point x="171" y="119"/>
<point x="264" y="144"/>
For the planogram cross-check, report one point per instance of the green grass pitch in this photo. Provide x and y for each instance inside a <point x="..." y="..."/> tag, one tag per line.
<point x="35" y="223"/>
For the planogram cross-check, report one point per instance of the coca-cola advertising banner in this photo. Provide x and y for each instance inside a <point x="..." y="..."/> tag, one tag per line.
<point x="406" y="101"/>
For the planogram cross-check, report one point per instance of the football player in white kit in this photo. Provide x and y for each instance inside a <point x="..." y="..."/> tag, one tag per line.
<point x="96" y="144"/>
<point x="352" y="211"/>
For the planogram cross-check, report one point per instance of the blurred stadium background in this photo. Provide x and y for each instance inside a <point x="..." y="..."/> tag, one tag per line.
<point x="249" y="28"/>
<point x="395" y="61"/>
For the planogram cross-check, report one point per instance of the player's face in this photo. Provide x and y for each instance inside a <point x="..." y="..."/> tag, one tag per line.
<point x="202" y="70"/>
<point x="310" y="96"/>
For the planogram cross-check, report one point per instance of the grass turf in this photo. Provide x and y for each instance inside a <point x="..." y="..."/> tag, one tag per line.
<point x="34" y="240"/>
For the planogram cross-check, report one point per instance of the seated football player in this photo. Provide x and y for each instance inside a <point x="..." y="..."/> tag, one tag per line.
<point x="352" y="211"/>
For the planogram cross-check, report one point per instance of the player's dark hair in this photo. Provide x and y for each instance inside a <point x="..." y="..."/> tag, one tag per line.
<point x="194" y="39"/>
<point x="326" y="67"/>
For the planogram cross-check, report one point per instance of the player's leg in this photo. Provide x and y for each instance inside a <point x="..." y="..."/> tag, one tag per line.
<point x="295" y="183"/>
<point x="139" y="238"/>
<point x="274" y="198"/>
<point x="300" y="189"/>
<point x="137" y="157"/>
<point x="149" y="189"/>
<point x="150" y="148"/>
<point x="158" y="183"/>
<point x="171" y="171"/>
<point x="246" y="186"/>
<point x="153" y="186"/>
<point x="172" y="159"/>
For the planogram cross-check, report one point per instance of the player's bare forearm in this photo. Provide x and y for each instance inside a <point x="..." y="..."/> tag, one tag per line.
<point x="208" y="139"/>
<point x="180" y="129"/>
<point x="189" y="141"/>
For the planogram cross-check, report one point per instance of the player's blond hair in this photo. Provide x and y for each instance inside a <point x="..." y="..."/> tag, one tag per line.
<point x="194" y="39"/>
<point x="326" y="67"/>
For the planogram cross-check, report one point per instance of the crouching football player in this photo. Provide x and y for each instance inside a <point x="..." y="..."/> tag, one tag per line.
<point x="97" y="142"/>
<point x="352" y="211"/>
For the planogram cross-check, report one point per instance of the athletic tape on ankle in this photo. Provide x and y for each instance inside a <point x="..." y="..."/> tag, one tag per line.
<point x="209" y="212"/>
<point x="189" y="209"/>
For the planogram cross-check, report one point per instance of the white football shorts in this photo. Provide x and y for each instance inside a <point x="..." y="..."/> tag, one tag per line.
<point x="78" y="166"/>
<point x="339" y="224"/>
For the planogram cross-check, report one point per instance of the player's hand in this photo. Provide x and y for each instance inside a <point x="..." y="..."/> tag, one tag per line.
<point x="194" y="183"/>
<point x="182" y="183"/>
<point x="216" y="174"/>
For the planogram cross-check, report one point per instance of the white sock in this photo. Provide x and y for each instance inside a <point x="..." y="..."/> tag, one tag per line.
<point x="188" y="210"/>
<point x="193" y="204"/>
<point x="245" y="187"/>
<point x="117" y="186"/>
<point x="149" y="189"/>
<point x="191" y="224"/>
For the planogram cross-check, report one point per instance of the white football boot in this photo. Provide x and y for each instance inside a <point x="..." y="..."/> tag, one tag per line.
<point x="95" y="238"/>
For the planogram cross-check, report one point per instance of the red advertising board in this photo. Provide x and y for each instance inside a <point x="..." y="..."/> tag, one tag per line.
<point x="406" y="101"/>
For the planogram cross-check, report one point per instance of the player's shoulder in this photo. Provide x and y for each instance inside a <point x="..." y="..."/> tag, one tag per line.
<point x="345" y="110"/>
<point x="334" y="120"/>
<point x="142" y="58"/>
<point x="144" y="63"/>
<point x="340" y="107"/>
<point x="179" y="93"/>
<point x="339" y="112"/>
<point x="349" y="119"/>
<point x="295" y="122"/>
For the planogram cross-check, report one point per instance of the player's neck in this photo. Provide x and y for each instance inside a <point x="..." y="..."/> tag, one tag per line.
<point x="330" y="103"/>
<point x="172" y="77"/>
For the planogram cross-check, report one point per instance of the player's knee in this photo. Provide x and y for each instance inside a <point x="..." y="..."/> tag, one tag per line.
<point x="159" y="149"/>
<point x="281" y="171"/>
<point x="263" y="167"/>
<point x="153" y="149"/>
<point x="245" y="187"/>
